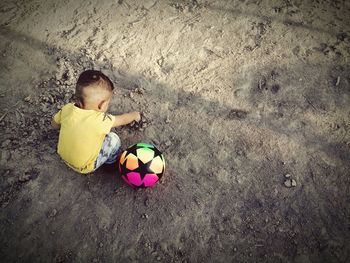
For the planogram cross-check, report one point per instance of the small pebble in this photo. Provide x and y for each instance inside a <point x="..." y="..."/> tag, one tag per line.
<point x="167" y="143"/>
<point x="287" y="175"/>
<point x="53" y="213"/>
<point x="288" y="183"/>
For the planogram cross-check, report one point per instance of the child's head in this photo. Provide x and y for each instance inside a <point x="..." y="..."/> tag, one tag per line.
<point x="93" y="90"/>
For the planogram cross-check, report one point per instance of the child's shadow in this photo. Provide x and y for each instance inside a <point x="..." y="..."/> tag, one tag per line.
<point x="106" y="177"/>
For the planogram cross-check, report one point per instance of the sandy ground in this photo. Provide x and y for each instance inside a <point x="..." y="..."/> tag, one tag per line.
<point x="248" y="100"/>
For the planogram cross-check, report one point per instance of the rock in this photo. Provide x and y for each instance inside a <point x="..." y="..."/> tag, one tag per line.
<point x="167" y="143"/>
<point x="159" y="258"/>
<point x="287" y="175"/>
<point x="290" y="183"/>
<point x="100" y="244"/>
<point x="167" y="120"/>
<point x="53" y="213"/>
<point x="131" y="95"/>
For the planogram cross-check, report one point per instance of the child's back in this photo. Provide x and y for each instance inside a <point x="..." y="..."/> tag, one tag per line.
<point x="85" y="141"/>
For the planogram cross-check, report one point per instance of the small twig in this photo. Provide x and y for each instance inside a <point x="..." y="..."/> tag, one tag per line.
<point x="308" y="101"/>
<point x="338" y="81"/>
<point x="4" y="115"/>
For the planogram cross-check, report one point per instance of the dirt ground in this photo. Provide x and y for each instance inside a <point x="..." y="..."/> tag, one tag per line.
<point x="249" y="101"/>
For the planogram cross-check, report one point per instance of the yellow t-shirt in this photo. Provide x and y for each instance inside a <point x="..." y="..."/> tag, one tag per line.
<point x="81" y="136"/>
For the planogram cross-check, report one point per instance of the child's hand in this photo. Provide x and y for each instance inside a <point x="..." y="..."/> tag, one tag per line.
<point x="126" y="118"/>
<point x="137" y="116"/>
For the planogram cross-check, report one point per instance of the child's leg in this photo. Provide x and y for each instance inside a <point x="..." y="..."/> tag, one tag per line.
<point x="109" y="150"/>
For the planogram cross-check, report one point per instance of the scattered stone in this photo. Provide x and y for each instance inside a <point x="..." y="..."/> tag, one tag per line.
<point x="290" y="183"/>
<point x="131" y="95"/>
<point x="167" y="120"/>
<point x="144" y="216"/>
<point x="95" y="260"/>
<point x="287" y="175"/>
<point x="53" y="213"/>
<point x="159" y="258"/>
<point x="100" y="245"/>
<point x="167" y="143"/>
<point x="234" y="249"/>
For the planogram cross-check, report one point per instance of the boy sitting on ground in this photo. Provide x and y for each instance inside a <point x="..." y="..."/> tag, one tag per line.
<point x="85" y="141"/>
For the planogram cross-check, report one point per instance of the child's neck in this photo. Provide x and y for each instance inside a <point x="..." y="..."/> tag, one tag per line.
<point x="87" y="106"/>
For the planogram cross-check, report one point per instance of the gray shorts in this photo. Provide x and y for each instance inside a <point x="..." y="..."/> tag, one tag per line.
<point x="109" y="150"/>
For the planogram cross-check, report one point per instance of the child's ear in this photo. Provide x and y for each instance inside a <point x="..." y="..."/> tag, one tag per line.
<point x="79" y="104"/>
<point x="101" y="105"/>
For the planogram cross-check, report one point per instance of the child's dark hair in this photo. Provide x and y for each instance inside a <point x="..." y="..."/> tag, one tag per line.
<point x="90" y="78"/>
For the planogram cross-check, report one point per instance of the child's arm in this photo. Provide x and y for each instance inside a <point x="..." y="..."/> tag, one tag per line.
<point x="126" y="118"/>
<point x="55" y="125"/>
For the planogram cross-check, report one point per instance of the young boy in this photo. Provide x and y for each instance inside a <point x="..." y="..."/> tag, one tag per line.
<point x="85" y="141"/>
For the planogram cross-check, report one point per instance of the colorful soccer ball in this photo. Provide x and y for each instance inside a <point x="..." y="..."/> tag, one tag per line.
<point x="141" y="165"/>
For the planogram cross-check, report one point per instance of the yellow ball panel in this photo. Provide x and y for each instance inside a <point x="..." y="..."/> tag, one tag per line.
<point x="145" y="154"/>
<point x="157" y="165"/>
